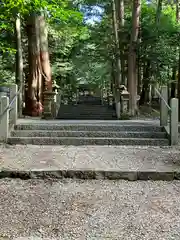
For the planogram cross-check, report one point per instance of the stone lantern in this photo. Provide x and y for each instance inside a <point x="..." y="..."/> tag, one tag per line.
<point x="49" y="102"/>
<point x="124" y="99"/>
<point x="56" y="103"/>
<point x="74" y="98"/>
<point x="48" y="105"/>
<point x="110" y="99"/>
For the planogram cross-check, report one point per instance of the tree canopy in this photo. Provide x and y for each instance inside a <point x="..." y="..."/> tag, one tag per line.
<point x="81" y="39"/>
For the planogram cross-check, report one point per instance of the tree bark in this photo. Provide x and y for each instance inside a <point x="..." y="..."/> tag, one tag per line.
<point x="132" y="71"/>
<point x="144" y="98"/>
<point x="19" y="63"/>
<point x="117" y="59"/>
<point x="178" y="50"/>
<point x="173" y="83"/>
<point x="113" y="81"/>
<point x="175" y="68"/>
<point x="44" y="55"/>
<point x="39" y="78"/>
<point x="117" y="52"/>
<point x="19" y="58"/>
<point x="120" y="15"/>
<point x="33" y="101"/>
<point x="158" y="12"/>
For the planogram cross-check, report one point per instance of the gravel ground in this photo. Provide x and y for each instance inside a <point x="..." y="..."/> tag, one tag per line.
<point x="89" y="210"/>
<point x="124" y="158"/>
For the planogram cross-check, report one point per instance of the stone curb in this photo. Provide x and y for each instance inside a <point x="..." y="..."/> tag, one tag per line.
<point x="83" y="141"/>
<point x="91" y="174"/>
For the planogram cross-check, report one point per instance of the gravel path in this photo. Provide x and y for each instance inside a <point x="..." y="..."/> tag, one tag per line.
<point x="124" y="158"/>
<point x="89" y="210"/>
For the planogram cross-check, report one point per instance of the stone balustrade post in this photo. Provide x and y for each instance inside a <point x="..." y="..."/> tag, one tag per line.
<point x="14" y="107"/>
<point x="4" y="122"/>
<point x="174" y="122"/>
<point x="163" y="108"/>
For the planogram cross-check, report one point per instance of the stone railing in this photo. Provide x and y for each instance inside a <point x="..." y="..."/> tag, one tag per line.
<point x="169" y="115"/>
<point x="8" y="111"/>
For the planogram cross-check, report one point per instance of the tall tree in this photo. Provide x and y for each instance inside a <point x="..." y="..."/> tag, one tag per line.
<point x="19" y="61"/>
<point x="44" y="54"/>
<point x="120" y="15"/>
<point x="178" y="48"/>
<point x="117" y="58"/>
<point x="158" y="12"/>
<point x="132" y="71"/>
<point x="34" y="81"/>
<point x="175" y="68"/>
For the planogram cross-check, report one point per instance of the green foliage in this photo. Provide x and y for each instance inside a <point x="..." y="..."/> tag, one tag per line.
<point x="65" y="24"/>
<point x="82" y="52"/>
<point x="159" y="43"/>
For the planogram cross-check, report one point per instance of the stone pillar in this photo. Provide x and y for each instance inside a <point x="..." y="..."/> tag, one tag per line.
<point x="58" y="101"/>
<point x="54" y="102"/>
<point x="164" y="109"/>
<point x="48" y="105"/>
<point x="14" y="106"/>
<point x="124" y="102"/>
<point x="4" y="123"/>
<point x="174" y="134"/>
<point x="110" y="99"/>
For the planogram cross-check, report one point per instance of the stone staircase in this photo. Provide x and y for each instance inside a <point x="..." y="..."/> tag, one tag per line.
<point x="86" y="111"/>
<point x="88" y="133"/>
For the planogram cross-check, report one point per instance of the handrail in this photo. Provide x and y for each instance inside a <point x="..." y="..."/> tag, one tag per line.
<point x="12" y="101"/>
<point x="159" y="94"/>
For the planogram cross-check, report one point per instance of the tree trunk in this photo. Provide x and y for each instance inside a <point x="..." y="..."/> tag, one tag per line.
<point x="139" y="64"/>
<point x="158" y="12"/>
<point x="117" y="59"/>
<point x="39" y="78"/>
<point x="44" y="54"/>
<point x="132" y="71"/>
<point x="19" y="63"/>
<point x="33" y="103"/>
<point x="174" y="70"/>
<point x="120" y="15"/>
<point x="19" y="58"/>
<point x="178" y="90"/>
<point x="144" y="97"/>
<point x="178" y="50"/>
<point x="139" y="78"/>
<point x="113" y="81"/>
<point x="173" y="83"/>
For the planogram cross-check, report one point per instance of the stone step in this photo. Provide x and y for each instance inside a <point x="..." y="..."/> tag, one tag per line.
<point x="85" y="117"/>
<point x="97" y="112"/>
<point x="89" y="127"/>
<point x="86" y="109"/>
<point x="114" y="134"/>
<point x="86" y="106"/>
<point x="85" y="112"/>
<point x="87" y="141"/>
<point x="91" y="162"/>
